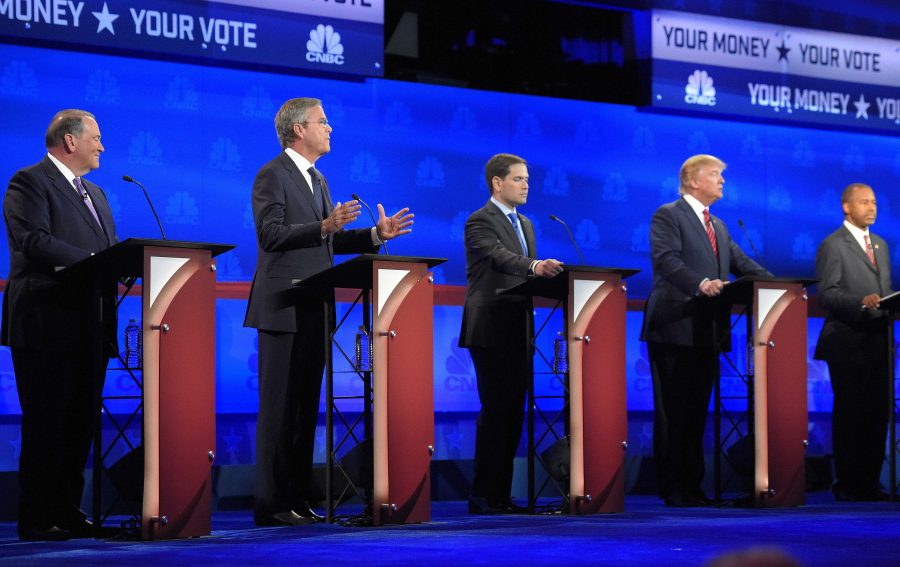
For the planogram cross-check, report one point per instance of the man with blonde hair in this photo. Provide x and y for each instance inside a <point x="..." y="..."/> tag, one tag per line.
<point x="692" y="255"/>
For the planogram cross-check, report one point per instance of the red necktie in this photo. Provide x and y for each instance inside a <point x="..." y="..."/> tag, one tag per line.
<point x="869" y="252"/>
<point x="710" y="232"/>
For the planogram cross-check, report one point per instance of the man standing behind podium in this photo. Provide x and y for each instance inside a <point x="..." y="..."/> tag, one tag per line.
<point x="497" y="329"/>
<point x="298" y="230"/>
<point x="854" y="270"/>
<point x="55" y="218"/>
<point x="692" y="254"/>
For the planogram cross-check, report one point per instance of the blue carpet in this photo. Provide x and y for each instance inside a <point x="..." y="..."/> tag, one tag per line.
<point x="822" y="532"/>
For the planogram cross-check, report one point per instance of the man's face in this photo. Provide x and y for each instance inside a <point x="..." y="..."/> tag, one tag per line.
<point x="512" y="190"/>
<point x="861" y="209"/>
<point x="313" y="136"/>
<point x="85" y="150"/>
<point x="707" y="184"/>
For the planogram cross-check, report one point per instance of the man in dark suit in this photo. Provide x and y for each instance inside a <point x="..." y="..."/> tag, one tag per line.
<point x="497" y="329"/>
<point x="298" y="230"/>
<point x="54" y="218"/>
<point x="692" y="254"/>
<point x="854" y="271"/>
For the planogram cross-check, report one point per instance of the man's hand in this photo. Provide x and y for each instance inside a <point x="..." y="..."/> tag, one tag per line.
<point x="548" y="268"/>
<point x="390" y="227"/>
<point x="711" y="288"/>
<point x="871" y="301"/>
<point x="341" y="215"/>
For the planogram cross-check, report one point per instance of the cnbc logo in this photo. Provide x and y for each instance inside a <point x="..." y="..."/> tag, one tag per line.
<point x="700" y="89"/>
<point x="324" y="46"/>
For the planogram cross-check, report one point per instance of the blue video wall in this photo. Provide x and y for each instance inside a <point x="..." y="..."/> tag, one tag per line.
<point x="196" y="135"/>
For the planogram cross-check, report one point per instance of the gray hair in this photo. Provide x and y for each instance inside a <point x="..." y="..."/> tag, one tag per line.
<point x="294" y="111"/>
<point x="70" y="121"/>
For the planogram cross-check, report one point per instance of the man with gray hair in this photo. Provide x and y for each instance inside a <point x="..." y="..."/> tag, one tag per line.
<point x="692" y="254"/>
<point x="298" y="231"/>
<point x="54" y="218"/>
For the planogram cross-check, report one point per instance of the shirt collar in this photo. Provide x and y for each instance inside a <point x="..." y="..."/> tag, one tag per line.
<point x="857" y="232"/>
<point x="302" y="163"/>
<point x="506" y="210"/>
<point x="67" y="173"/>
<point x="696" y="205"/>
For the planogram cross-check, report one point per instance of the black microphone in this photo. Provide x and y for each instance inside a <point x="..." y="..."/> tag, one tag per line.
<point x="371" y="216"/>
<point x="146" y="196"/>
<point x="572" y="238"/>
<point x="750" y="240"/>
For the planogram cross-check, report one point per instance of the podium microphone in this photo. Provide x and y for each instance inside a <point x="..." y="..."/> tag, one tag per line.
<point x="572" y="238"/>
<point x="750" y="240"/>
<point x="371" y="216"/>
<point x="149" y="202"/>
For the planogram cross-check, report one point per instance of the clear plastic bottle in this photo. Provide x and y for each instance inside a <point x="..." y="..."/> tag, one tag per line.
<point x="560" y="354"/>
<point x="134" y="346"/>
<point x="363" y="350"/>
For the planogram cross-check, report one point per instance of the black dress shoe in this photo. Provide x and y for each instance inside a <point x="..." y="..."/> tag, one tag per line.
<point x="679" y="500"/>
<point x="80" y="528"/>
<point x="480" y="505"/>
<point x="510" y="507"/>
<point x="306" y="512"/>
<point x="52" y="533"/>
<point x="289" y="518"/>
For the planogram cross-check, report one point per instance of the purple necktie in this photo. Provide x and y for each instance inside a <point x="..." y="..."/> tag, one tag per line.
<point x="79" y="186"/>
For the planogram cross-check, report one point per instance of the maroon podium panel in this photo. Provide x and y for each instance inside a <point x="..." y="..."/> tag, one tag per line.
<point x="780" y="393"/>
<point x="179" y="392"/>
<point x="403" y="413"/>
<point x="597" y="383"/>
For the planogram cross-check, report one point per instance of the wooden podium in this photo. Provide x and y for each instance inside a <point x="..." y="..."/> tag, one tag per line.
<point x="178" y="376"/>
<point x="398" y="299"/>
<point x="594" y="305"/>
<point x="776" y="329"/>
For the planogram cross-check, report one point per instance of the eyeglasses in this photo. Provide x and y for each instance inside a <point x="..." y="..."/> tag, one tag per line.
<point x="323" y="122"/>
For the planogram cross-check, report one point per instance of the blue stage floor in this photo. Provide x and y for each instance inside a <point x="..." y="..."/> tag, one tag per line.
<point x="822" y="532"/>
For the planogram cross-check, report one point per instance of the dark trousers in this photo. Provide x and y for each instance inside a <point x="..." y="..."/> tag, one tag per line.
<point x="290" y="383"/>
<point x="58" y="395"/>
<point x="683" y="378"/>
<point x="859" y="422"/>
<point x="503" y="376"/>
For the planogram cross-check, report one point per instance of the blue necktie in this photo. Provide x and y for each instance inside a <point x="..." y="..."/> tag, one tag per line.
<point x="318" y="192"/>
<point x="515" y="222"/>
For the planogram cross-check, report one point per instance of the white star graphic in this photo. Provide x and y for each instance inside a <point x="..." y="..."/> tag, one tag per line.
<point x="105" y="20"/>
<point x="862" y="107"/>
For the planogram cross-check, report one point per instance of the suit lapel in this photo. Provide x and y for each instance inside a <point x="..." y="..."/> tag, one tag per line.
<point x="302" y="186"/>
<point x="505" y="228"/>
<point x="857" y="250"/>
<point x="69" y="194"/>
<point x="689" y="218"/>
<point x="528" y="229"/>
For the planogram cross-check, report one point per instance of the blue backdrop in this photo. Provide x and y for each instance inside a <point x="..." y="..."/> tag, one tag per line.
<point x="195" y="136"/>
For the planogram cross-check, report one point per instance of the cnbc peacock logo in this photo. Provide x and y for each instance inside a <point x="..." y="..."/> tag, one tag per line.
<point x="324" y="46"/>
<point x="700" y="89"/>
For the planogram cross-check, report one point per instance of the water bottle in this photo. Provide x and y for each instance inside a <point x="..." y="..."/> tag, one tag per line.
<point x="133" y="345"/>
<point x="560" y="354"/>
<point x="363" y="350"/>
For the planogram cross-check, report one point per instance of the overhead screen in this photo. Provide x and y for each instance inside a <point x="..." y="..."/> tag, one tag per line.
<point x="779" y="73"/>
<point x="342" y="37"/>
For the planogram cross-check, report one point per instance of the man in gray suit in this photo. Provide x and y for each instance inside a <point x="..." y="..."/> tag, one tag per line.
<point x="692" y="255"/>
<point x="854" y="271"/>
<point x="497" y="329"/>
<point x="299" y="230"/>
<point x="54" y="218"/>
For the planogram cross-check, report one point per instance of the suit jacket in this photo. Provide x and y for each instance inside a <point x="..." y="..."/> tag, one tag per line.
<point x="48" y="226"/>
<point x="291" y="247"/>
<point x="846" y="276"/>
<point x="682" y="257"/>
<point x="495" y="261"/>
